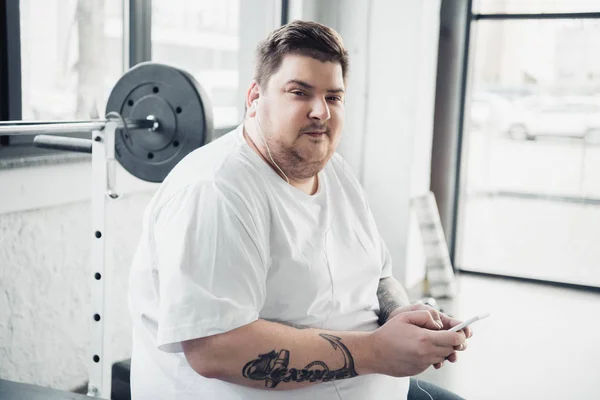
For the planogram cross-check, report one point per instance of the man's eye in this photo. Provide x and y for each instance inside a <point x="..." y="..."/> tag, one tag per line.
<point x="298" y="93"/>
<point x="335" y="98"/>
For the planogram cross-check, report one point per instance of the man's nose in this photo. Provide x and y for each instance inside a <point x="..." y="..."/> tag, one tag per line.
<point x="320" y="110"/>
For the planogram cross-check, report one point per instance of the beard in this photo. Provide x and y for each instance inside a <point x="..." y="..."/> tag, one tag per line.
<point x="298" y="163"/>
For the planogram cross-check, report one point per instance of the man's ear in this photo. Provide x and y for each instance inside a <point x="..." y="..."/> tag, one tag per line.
<point x="252" y="96"/>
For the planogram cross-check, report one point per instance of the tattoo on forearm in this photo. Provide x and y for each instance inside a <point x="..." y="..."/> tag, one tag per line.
<point x="273" y="367"/>
<point x="386" y="310"/>
<point x="391" y="296"/>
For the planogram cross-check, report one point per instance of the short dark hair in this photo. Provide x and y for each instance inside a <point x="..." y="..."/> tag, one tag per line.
<point x="303" y="38"/>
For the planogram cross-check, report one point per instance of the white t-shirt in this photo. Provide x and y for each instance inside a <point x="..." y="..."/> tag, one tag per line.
<point x="225" y="242"/>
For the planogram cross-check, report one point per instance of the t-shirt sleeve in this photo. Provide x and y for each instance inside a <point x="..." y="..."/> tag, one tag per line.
<point x="211" y="267"/>
<point x="386" y="260"/>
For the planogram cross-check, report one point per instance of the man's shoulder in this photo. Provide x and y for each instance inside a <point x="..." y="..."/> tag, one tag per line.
<point x="344" y="172"/>
<point x="219" y="168"/>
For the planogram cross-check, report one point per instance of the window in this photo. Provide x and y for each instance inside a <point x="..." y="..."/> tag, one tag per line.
<point x="530" y="187"/>
<point x="535" y="6"/>
<point x="71" y="57"/>
<point x="203" y="38"/>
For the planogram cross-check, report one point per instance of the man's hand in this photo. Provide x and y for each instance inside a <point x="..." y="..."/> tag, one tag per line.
<point x="441" y="319"/>
<point x="393" y="301"/>
<point x="410" y="342"/>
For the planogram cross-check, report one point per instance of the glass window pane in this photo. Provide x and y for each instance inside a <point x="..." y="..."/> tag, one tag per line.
<point x="202" y="38"/>
<point x="534" y="6"/>
<point x="71" y="56"/>
<point x="530" y="191"/>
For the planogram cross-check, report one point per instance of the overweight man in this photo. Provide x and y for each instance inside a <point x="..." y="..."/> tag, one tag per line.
<point x="260" y="273"/>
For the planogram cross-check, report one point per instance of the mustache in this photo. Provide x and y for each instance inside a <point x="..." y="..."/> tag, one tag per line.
<point x="315" y="127"/>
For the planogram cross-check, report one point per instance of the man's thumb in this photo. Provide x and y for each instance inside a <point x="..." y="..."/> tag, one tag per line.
<point x="422" y="318"/>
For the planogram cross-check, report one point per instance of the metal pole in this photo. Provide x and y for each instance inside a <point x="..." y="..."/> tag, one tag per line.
<point x="140" y="31"/>
<point x="63" y="143"/>
<point x="59" y="127"/>
<point x="97" y="274"/>
<point x="449" y="106"/>
<point x="103" y="159"/>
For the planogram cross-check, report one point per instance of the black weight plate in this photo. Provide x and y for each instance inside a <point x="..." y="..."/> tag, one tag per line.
<point x="180" y="105"/>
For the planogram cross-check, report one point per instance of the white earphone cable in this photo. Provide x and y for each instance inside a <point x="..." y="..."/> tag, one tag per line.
<point x="261" y="134"/>
<point x="419" y="386"/>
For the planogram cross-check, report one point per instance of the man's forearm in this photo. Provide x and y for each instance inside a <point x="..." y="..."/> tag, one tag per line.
<point x="391" y="296"/>
<point x="271" y="356"/>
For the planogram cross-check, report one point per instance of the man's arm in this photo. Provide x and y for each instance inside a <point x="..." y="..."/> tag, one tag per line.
<point x="271" y="356"/>
<point x="391" y="296"/>
<point x="276" y="356"/>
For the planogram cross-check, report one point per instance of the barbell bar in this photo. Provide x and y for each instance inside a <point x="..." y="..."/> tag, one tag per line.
<point x="43" y="130"/>
<point x="11" y="128"/>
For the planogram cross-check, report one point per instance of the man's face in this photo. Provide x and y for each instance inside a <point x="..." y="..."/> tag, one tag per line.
<point x="301" y="114"/>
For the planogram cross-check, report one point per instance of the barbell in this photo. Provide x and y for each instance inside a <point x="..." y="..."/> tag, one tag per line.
<point x="155" y="115"/>
<point x="162" y="112"/>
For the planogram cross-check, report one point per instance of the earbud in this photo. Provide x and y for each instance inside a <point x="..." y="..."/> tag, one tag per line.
<point x="254" y="103"/>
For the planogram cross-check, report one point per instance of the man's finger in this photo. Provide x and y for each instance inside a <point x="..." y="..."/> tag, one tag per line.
<point x="436" y="315"/>
<point x="452" y="357"/>
<point x="421" y="318"/>
<point x="452" y="322"/>
<point x="468" y="332"/>
<point x="449" y="322"/>
<point x="461" y="347"/>
<point x="448" y="339"/>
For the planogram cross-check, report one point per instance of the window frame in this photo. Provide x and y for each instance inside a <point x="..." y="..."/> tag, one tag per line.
<point x="10" y="66"/>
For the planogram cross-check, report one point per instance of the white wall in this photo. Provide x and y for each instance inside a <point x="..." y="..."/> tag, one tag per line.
<point x="258" y="19"/>
<point x="45" y="221"/>
<point x="45" y="274"/>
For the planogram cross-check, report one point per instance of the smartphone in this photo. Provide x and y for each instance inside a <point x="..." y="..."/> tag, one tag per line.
<point x="468" y="322"/>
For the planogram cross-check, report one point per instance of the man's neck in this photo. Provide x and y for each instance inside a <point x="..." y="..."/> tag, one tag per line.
<point x="308" y="186"/>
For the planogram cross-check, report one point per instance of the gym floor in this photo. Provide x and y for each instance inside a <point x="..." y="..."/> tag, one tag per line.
<point x="540" y="341"/>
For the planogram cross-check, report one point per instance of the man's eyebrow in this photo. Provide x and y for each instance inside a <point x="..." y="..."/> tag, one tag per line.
<point x="309" y="86"/>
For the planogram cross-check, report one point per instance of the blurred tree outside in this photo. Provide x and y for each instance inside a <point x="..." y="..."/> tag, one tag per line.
<point x="89" y="16"/>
